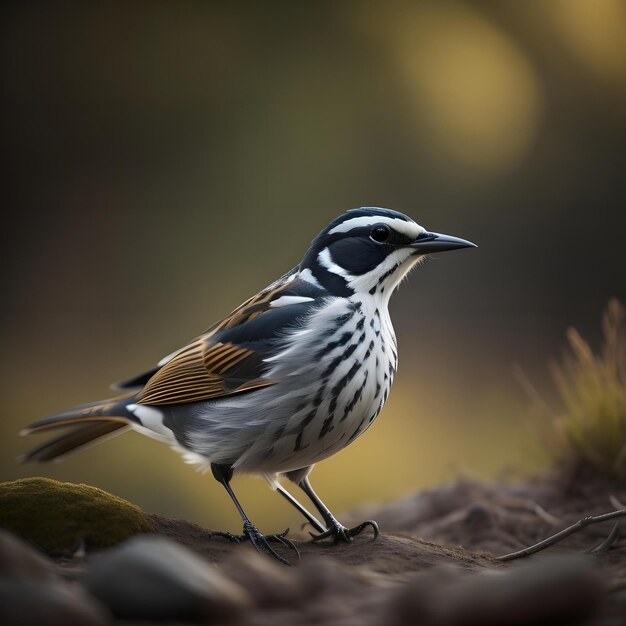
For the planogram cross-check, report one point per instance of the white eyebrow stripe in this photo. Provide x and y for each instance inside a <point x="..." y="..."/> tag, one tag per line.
<point x="410" y="229"/>
<point x="287" y="300"/>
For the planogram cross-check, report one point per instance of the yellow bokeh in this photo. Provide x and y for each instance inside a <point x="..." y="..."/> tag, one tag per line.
<point x="471" y="87"/>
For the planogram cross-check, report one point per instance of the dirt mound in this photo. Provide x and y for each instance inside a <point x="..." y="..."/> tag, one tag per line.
<point x="389" y="554"/>
<point x="433" y="564"/>
<point x="497" y="518"/>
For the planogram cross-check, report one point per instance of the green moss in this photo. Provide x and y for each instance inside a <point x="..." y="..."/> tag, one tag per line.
<point x="57" y="517"/>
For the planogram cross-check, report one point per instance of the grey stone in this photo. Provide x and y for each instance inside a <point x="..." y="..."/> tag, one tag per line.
<point x="557" y="590"/>
<point x="36" y="603"/>
<point x="552" y="590"/>
<point x="270" y="584"/>
<point x="153" y="578"/>
<point x="18" y="561"/>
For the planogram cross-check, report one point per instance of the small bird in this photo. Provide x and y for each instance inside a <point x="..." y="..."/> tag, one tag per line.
<point x="292" y="376"/>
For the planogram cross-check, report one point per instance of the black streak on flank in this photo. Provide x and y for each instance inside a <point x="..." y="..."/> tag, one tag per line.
<point x="326" y="426"/>
<point x="329" y="347"/>
<point x="332" y="366"/>
<point x="299" y="445"/>
<point x="308" y="419"/>
<point x="378" y="410"/>
<point x="339" y="387"/>
<point x="336" y="390"/>
<point x="377" y="315"/>
<point x="357" y="396"/>
<point x="356" y="432"/>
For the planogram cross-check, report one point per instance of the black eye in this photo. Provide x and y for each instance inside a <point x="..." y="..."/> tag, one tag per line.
<point x="380" y="233"/>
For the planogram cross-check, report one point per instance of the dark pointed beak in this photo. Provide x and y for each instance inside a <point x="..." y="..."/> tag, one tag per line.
<point x="427" y="243"/>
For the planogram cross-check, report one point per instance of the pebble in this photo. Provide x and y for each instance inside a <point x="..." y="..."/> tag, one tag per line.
<point x="270" y="584"/>
<point x="153" y="578"/>
<point x="555" y="590"/>
<point x="36" y="603"/>
<point x="18" y="561"/>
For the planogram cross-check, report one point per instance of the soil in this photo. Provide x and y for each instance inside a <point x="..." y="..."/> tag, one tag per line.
<point x="497" y="518"/>
<point x="467" y="523"/>
<point x="433" y="560"/>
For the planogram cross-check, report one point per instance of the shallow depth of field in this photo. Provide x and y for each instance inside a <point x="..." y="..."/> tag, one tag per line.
<point x="165" y="161"/>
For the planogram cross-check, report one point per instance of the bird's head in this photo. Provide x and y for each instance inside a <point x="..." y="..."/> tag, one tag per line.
<point x="370" y="250"/>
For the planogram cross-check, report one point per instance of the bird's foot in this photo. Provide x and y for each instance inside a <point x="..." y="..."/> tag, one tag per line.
<point x="261" y="542"/>
<point x="340" y="533"/>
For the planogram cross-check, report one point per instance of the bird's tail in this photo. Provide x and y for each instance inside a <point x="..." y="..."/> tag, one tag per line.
<point x="91" y="423"/>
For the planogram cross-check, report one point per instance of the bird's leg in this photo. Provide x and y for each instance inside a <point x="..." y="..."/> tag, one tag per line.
<point x="335" y="529"/>
<point x="309" y="516"/>
<point x="223" y="474"/>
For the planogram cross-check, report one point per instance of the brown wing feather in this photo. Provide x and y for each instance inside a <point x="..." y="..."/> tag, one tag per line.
<point x="200" y="373"/>
<point x="201" y="370"/>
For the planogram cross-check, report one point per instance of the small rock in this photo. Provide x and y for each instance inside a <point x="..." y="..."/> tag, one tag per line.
<point x="557" y="590"/>
<point x="153" y="578"/>
<point x="18" y="561"/>
<point x="26" y="603"/>
<point x="333" y="592"/>
<point x="271" y="585"/>
<point x="322" y="575"/>
<point x="413" y="602"/>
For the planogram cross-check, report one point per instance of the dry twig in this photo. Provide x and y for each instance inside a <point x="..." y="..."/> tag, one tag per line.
<point x="566" y="532"/>
<point x="608" y="542"/>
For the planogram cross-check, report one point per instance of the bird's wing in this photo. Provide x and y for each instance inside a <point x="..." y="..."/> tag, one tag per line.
<point x="202" y="371"/>
<point x="229" y="357"/>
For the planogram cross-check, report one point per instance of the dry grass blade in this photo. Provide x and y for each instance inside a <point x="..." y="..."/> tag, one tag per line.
<point x="590" y="428"/>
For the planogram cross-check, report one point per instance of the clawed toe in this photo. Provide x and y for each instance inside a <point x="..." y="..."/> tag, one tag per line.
<point x="342" y="534"/>
<point x="281" y="538"/>
<point x="261" y="542"/>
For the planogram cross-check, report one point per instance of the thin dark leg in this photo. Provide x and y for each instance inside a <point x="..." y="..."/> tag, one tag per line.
<point x="223" y="474"/>
<point x="309" y="516"/>
<point x="335" y="529"/>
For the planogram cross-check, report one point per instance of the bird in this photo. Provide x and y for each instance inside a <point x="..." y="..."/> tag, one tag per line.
<point x="289" y="378"/>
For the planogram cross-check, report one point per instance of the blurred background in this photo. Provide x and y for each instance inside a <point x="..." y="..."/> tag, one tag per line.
<point x="164" y="161"/>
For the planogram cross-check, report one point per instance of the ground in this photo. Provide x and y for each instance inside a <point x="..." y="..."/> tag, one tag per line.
<point x="435" y="560"/>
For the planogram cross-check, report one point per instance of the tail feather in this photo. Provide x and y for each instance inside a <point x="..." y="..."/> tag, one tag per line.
<point x="93" y="423"/>
<point x="78" y="439"/>
<point x="104" y="410"/>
